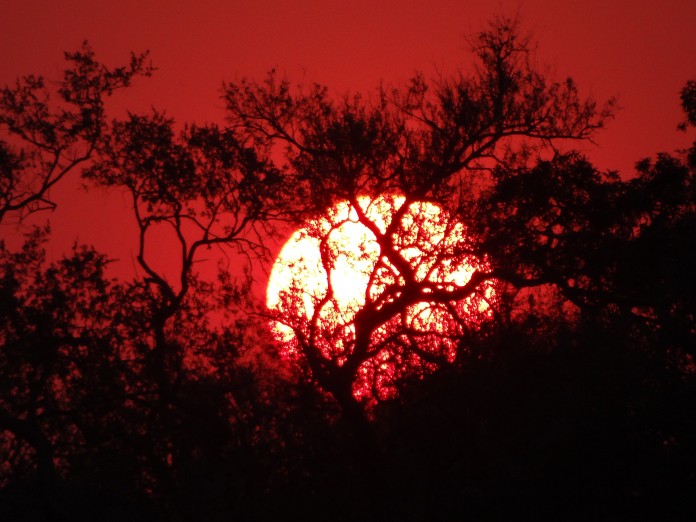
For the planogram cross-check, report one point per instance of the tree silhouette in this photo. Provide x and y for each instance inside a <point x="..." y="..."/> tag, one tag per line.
<point x="95" y="368"/>
<point x="424" y="144"/>
<point x="518" y="341"/>
<point x="46" y="142"/>
<point x="50" y="318"/>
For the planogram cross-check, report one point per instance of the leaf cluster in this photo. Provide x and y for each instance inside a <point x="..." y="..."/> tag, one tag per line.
<point x="42" y="140"/>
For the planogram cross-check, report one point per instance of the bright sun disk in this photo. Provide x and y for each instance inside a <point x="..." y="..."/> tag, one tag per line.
<point x="340" y="252"/>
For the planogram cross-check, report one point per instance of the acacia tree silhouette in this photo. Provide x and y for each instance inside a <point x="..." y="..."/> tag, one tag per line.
<point x="426" y="144"/>
<point x="205" y="186"/>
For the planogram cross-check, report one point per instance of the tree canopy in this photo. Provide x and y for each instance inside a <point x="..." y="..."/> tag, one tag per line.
<point x="521" y="343"/>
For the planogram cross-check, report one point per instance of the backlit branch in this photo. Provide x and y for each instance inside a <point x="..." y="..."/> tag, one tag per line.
<point x="42" y="143"/>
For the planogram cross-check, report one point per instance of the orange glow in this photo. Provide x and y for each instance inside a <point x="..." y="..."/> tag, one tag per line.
<point x="334" y="266"/>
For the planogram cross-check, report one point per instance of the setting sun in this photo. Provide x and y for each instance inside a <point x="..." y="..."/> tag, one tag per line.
<point x="336" y="266"/>
<point x="347" y="260"/>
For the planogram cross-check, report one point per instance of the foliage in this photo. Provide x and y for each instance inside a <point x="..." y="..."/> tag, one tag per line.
<point x="425" y="144"/>
<point x="688" y="102"/>
<point x="41" y="143"/>
<point x="166" y="396"/>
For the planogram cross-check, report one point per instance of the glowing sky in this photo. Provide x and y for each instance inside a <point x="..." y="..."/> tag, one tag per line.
<point x="642" y="52"/>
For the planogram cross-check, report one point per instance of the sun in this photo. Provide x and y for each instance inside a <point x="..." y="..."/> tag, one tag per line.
<point x="361" y="258"/>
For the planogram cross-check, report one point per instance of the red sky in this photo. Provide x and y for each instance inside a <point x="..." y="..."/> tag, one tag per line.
<point x="641" y="52"/>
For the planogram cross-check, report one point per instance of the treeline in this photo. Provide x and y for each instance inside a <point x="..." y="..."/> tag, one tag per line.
<point x="165" y="398"/>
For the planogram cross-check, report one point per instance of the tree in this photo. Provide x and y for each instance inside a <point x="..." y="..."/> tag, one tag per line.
<point x="688" y="103"/>
<point x="208" y="189"/>
<point x="43" y="143"/>
<point x="423" y="144"/>
<point x="92" y="367"/>
<point x="57" y="349"/>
